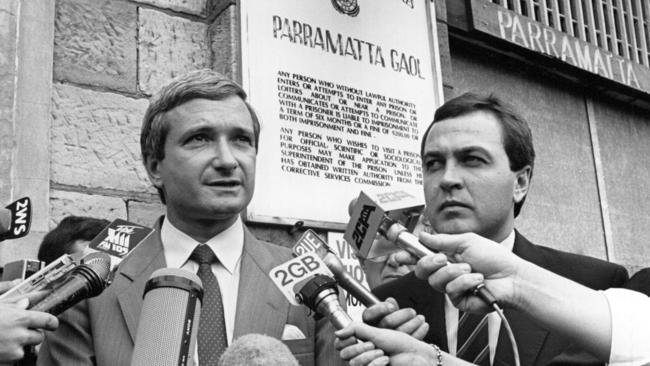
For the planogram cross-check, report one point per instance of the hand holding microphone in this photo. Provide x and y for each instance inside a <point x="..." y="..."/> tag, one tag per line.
<point x="478" y="260"/>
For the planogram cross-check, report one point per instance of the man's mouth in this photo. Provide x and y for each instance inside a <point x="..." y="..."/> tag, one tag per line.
<point x="448" y="204"/>
<point x="225" y="183"/>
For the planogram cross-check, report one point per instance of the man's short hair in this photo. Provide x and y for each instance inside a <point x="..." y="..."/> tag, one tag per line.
<point x="517" y="137"/>
<point x="199" y="84"/>
<point x="59" y="241"/>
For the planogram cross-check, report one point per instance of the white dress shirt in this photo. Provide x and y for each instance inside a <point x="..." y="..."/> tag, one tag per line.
<point x="227" y="246"/>
<point x="494" y="322"/>
<point x="630" y="314"/>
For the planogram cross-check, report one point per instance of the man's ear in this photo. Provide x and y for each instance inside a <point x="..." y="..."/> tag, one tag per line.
<point x="152" y="165"/>
<point x="522" y="183"/>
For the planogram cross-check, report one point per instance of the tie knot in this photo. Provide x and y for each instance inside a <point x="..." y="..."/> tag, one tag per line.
<point x="203" y="255"/>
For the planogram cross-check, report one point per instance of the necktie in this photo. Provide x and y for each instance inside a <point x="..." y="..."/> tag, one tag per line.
<point x="473" y="339"/>
<point x="212" y="327"/>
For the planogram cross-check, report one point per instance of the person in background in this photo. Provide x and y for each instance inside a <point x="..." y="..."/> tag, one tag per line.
<point x="71" y="235"/>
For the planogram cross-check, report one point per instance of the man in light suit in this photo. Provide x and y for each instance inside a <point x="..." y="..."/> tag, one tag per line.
<point x="199" y="143"/>
<point x="477" y="162"/>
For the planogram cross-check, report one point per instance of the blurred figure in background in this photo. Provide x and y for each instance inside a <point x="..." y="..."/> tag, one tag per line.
<point x="72" y="235"/>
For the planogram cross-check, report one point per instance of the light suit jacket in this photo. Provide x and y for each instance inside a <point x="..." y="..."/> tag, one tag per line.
<point x="101" y="331"/>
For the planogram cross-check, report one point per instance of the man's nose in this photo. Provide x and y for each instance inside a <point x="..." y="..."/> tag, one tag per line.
<point x="451" y="177"/>
<point x="224" y="157"/>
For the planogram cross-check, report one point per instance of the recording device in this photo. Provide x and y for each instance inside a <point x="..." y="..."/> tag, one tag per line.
<point x="84" y="281"/>
<point x="257" y="350"/>
<point x="169" y="319"/>
<point x="321" y="295"/>
<point x="311" y="242"/>
<point x="374" y="214"/>
<point x="118" y="239"/>
<point x="45" y="279"/>
<point x="290" y="275"/>
<point x="16" y="219"/>
<point x="21" y="269"/>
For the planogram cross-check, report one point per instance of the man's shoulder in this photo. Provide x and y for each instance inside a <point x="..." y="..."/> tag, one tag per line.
<point x="590" y="271"/>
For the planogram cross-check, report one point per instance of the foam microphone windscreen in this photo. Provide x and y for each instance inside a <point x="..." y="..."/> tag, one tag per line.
<point x="257" y="350"/>
<point x="169" y="319"/>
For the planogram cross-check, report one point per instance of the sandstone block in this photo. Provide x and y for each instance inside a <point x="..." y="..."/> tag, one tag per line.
<point x="95" y="140"/>
<point x="95" y="43"/>
<point x="169" y="46"/>
<point x="224" y="43"/>
<point x="196" y="7"/>
<point x="145" y="213"/>
<point x="64" y="203"/>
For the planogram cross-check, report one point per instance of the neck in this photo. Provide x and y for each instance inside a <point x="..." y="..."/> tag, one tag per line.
<point x="201" y="230"/>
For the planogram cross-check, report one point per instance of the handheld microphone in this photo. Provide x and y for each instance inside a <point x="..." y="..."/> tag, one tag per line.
<point x="84" y="281"/>
<point x="257" y="350"/>
<point x="321" y="295"/>
<point x="169" y="319"/>
<point x="368" y="217"/>
<point x="310" y="241"/>
<point x="16" y="219"/>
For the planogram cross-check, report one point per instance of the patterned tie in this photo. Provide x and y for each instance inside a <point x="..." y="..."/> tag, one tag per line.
<point x="212" y="327"/>
<point x="473" y="339"/>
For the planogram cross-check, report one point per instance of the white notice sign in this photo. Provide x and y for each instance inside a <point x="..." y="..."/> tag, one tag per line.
<point x="345" y="90"/>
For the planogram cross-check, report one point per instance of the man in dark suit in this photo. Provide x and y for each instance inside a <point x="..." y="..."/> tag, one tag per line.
<point x="199" y="143"/>
<point x="477" y="159"/>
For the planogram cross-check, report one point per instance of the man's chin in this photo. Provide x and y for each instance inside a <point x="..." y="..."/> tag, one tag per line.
<point x="455" y="227"/>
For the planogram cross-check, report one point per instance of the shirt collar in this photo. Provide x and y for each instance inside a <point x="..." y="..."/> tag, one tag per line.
<point x="227" y="245"/>
<point x="509" y="241"/>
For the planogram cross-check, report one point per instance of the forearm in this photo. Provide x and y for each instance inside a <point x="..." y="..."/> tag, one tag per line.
<point x="564" y="306"/>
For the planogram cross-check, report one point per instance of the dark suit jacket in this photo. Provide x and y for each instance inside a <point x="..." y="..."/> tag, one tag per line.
<point x="537" y="346"/>
<point x="640" y="282"/>
<point x="102" y="330"/>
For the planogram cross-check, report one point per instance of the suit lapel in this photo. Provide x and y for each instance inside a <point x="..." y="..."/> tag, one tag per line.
<point x="260" y="307"/>
<point x="133" y="275"/>
<point x="526" y="332"/>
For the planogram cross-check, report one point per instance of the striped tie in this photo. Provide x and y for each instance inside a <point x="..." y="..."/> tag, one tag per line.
<point x="212" y="327"/>
<point x="473" y="339"/>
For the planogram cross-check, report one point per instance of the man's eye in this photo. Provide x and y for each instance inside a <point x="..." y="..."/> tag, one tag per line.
<point x="474" y="160"/>
<point x="432" y="164"/>
<point x="245" y="139"/>
<point x="197" y="139"/>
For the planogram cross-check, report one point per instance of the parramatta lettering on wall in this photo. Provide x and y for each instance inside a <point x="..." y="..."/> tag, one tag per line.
<point x="525" y="32"/>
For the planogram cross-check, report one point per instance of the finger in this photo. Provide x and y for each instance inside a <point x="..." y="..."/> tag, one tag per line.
<point x="404" y="258"/>
<point x="445" y="243"/>
<point x="411" y="325"/>
<point x="32" y="337"/>
<point x="430" y="264"/>
<point x="355" y="350"/>
<point x="339" y="343"/>
<point x="380" y="361"/>
<point x="7" y="285"/>
<point x="346" y="332"/>
<point x="375" y="313"/>
<point x="439" y="279"/>
<point x="421" y="332"/>
<point x="32" y="297"/>
<point x="367" y="357"/>
<point x="40" y="320"/>
<point x="397" y="318"/>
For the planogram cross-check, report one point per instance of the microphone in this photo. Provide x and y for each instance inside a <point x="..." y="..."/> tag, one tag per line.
<point x="370" y="216"/>
<point x="257" y="350"/>
<point x="169" y="319"/>
<point x="310" y="241"/>
<point x="16" y="219"/>
<point x="321" y="295"/>
<point x="84" y="281"/>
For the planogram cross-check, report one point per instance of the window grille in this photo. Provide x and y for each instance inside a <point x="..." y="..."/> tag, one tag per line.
<point x="621" y="27"/>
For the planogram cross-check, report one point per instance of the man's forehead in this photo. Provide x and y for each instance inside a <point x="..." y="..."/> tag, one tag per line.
<point x="475" y="129"/>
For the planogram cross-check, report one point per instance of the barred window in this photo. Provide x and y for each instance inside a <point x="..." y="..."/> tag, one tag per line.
<point x="618" y="26"/>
